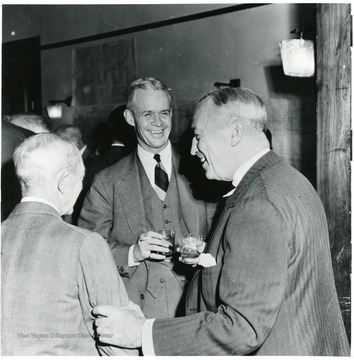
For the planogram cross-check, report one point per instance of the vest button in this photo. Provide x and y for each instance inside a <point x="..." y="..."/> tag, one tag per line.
<point x="142" y="296"/>
<point x="165" y="206"/>
<point x="167" y="221"/>
<point x="162" y="280"/>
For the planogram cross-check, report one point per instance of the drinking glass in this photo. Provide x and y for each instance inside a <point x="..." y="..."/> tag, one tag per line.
<point x="190" y="247"/>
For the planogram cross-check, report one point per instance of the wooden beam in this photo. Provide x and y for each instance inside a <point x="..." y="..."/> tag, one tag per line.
<point x="334" y="138"/>
<point x="154" y="25"/>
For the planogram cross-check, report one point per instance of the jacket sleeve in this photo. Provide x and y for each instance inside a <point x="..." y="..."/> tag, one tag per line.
<point x="242" y="293"/>
<point x="99" y="284"/>
<point x="97" y="215"/>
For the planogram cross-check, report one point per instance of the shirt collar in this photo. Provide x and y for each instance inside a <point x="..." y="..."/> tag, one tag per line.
<point x="82" y="150"/>
<point x="40" y="200"/>
<point x="148" y="157"/>
<point x="242" y="170"/>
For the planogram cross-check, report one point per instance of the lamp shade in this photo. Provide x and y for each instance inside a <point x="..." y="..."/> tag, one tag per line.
<point x="298" y="57"/>
<point x="54" y="111"/>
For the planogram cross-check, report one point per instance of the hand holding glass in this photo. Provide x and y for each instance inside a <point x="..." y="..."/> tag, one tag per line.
<point x="190" y="247"/>
<point x="168" y="235"/>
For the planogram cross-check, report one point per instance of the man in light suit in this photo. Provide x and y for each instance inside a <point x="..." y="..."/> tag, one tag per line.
<point x="272" y="289"/>
<point x="53" y="273"/>
<point x="126" y="205"/>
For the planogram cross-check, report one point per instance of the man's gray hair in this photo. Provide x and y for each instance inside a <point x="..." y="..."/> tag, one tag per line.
<point x="147" y="83"/>
<point x="30" y="121"/>
<point x="39" y="158"/>
<point x="236" y="103"/>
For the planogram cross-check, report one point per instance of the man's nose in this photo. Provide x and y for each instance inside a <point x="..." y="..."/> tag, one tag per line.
<point x="157" y="121"/>
<point x="194" y="148"/>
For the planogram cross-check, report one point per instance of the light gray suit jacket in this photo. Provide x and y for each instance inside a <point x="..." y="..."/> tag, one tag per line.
<point x="53" y="274"/>
<point x="114" y="207"/>
<point x="272" y="290"/>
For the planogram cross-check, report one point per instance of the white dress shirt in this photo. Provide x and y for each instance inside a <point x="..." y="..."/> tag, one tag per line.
<point x="149" y="164"/>
<point x="147" y="341"/>
<point x="82" y="150"/>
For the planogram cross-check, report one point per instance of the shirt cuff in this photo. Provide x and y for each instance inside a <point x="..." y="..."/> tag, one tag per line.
<point x="131" y="260"/>
<point x="147" y="343"/>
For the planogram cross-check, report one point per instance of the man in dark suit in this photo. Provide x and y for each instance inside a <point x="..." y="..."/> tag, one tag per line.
<point x="271" y="291"/>
<point x="53" y="273"/>
<point x="11" y="136"/>
<point x="113" y="139"/>
<point x="126" y="205"/>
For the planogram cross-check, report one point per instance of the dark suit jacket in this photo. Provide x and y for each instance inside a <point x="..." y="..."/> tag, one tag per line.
<point x="114" y="208"/>
<point x="12" y="136"/>
<point x="88" y="154"/>
<point x="53" y="274"/>
<point x="272" y="291"/>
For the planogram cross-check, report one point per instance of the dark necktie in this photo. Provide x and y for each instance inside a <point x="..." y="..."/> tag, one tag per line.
<point x="161" y="178"/>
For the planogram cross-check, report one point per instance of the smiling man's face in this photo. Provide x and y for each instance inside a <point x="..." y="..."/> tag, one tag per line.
<point x="152" y="119"/>
<point x="212" y="144"/>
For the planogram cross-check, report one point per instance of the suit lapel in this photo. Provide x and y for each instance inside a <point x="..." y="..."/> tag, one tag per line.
<point x="129" y="190"/>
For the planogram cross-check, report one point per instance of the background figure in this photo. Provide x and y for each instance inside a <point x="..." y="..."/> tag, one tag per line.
<point x="114" y="131"/>
<point x="30" y="121"/>
<point x="126" y="207"/>
<point x="53" y="273"/>
<point x="114" y="140"/>
<point x="73" y="133"/>
<point x="11" y="136"/>
<point x="271" y="291"/>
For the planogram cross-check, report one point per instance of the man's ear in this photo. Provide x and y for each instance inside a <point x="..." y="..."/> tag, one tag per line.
<point x="129" y="117"/>
<point x="62" y="180"/>
<point x="237" y="132"/>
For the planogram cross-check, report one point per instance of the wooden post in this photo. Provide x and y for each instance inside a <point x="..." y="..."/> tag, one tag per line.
<point x="334" y="138"/>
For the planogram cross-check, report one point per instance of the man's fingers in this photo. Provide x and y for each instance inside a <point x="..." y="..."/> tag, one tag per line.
<point x="154" y="234"/>
<point x="157" y="256"/>
<point x="158" y="242"/>
<point x="158" y="248"/>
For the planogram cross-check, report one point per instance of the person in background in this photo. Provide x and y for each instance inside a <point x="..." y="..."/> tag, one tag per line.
<point x="11" y="136"/>
<point x="73" y="133"/>
<point x="114" y="141"/>
<point x="53" y="273"/>
<point x="271" y="290"/>
<point x="127" y="204"/>
<point x="30" y="121"/>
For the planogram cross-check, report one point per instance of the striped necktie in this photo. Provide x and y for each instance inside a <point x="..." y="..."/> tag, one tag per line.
<point x="161" y="179"/>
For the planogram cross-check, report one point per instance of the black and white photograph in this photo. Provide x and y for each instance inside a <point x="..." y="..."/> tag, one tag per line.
<point x="176" y="179"/>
